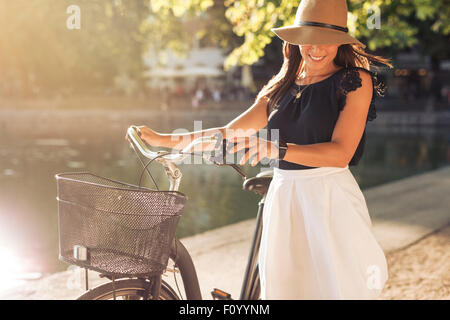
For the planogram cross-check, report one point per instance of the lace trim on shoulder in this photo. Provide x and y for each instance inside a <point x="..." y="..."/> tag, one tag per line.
<point x="351" y="81"/>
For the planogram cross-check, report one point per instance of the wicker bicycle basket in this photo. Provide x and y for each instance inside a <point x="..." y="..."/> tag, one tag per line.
<point x="122" y="229"/>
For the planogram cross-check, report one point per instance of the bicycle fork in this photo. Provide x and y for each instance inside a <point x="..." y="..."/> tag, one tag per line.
<point x="183" y="261"/>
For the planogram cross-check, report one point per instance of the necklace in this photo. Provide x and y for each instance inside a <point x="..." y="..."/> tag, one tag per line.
<point x="298" y="77"/>
<point x="299" y="94"/>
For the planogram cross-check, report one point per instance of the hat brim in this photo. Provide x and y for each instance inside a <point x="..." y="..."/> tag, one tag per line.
<point x="309" y="35"/>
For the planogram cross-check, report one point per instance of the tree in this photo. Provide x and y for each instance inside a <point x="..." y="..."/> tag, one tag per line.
<point x="252" y="20"/>
<point x="42" y="55"/>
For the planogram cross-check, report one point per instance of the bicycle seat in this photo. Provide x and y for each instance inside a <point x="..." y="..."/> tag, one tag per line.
<point x="259" y="183"/>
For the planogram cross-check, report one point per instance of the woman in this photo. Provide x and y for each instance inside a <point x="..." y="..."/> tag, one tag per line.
<point x="317" y="241"/>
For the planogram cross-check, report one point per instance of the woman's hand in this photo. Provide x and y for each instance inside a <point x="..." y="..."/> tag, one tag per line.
<point x="148" y="135"/>
<point x="258" y="148"/>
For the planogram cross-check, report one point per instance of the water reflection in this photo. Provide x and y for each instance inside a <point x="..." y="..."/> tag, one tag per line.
<point x="93" y="141"/>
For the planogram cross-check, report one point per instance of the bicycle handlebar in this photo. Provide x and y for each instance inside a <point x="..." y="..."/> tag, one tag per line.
<point x="169" y="158"/>
<point x="133" y="133"/>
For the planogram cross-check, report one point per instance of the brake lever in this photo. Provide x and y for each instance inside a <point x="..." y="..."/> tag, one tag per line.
<point x="222" y="155"/>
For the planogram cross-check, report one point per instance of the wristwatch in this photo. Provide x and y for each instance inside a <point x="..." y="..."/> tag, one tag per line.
<point x="282" y="148"/>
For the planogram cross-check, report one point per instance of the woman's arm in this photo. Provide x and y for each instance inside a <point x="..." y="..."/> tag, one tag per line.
<point x="346" y="135"/>
<point x="246" y="124"/>
<point x="336" y="153"/>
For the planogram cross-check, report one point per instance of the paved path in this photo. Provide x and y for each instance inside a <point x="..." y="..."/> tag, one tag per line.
<point x="402" y="212"/>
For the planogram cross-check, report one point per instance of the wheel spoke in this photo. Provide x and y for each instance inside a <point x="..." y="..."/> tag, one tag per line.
<point x="127" y="290"/>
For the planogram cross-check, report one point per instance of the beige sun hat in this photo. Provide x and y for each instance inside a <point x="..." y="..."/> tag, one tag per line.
<point x="318" y="22"/>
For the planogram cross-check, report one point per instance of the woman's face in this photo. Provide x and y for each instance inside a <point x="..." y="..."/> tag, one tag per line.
<point x="325" y="53"/>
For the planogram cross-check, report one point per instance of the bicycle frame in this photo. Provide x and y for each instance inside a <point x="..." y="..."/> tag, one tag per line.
<point x="250" y="289"/>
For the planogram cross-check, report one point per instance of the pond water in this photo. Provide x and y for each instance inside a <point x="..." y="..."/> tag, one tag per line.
<point x="35" y="145"/>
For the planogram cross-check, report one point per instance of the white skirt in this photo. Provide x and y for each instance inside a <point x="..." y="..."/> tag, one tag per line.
<point x="317" y="241"/>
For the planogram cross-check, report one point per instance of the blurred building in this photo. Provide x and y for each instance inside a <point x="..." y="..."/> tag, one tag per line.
<point x="415" y="84"/>
<point x="200" y="65"/>
<point x="198" y="78"/>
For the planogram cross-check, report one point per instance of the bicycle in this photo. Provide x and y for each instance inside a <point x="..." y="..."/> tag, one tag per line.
<point x="152" y="286"/>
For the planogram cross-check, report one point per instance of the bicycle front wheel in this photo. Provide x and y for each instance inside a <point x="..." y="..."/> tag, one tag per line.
<point x="129" y="289"/>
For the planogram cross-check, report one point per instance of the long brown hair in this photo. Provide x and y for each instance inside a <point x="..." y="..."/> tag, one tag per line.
<point x="347" y="55"/>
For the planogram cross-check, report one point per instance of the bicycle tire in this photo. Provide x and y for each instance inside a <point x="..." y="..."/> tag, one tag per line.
<point x="127" y="288"/>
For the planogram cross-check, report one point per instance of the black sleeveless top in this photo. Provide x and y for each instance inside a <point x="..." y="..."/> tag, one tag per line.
<point x="311" y="118"/>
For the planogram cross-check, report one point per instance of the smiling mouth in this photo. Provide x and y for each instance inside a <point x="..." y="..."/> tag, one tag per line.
<point x="316" y="58"/>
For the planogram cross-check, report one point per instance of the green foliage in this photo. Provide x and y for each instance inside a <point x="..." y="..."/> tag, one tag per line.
<point x="180" y="7"/>
<point x="38" y="54"/>
<point x="252" y="20"/>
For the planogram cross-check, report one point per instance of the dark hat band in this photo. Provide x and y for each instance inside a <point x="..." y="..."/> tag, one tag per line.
<point x="319" y="24"/>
